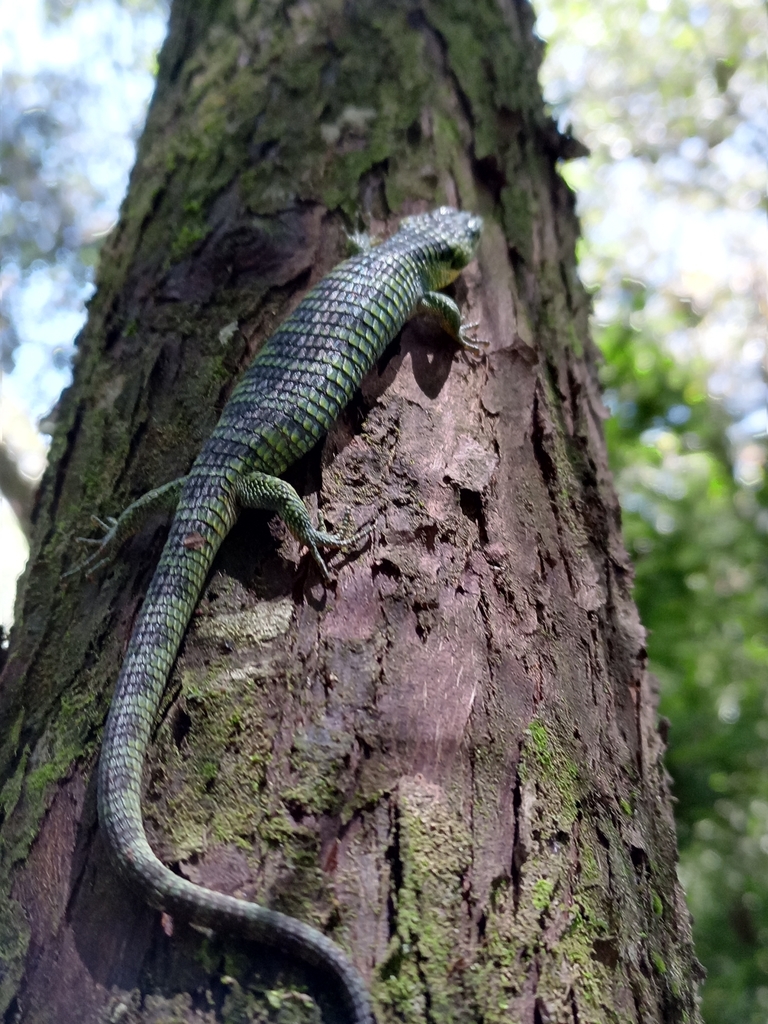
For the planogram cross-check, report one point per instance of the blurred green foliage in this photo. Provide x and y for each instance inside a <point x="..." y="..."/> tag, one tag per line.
<point x="699" y="541"/>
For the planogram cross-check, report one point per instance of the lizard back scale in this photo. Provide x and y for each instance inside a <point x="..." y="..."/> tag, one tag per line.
<point x="294" y="389"/>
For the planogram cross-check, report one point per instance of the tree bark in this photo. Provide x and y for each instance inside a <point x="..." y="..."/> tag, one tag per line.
<point x="448" y="759"/>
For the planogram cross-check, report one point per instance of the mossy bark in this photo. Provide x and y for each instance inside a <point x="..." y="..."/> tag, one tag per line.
<point x="448" y="759"/>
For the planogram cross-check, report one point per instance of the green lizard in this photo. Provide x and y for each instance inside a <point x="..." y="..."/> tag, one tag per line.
<point x="290" y="395"/>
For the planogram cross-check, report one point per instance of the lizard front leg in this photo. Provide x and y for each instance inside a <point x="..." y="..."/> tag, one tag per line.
<point x="448" y="314"/>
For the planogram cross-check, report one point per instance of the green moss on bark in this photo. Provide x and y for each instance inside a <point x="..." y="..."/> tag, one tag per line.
<point x="433" y="856"/>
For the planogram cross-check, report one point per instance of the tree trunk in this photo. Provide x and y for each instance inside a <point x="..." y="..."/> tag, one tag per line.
<point x="448" y="759"/>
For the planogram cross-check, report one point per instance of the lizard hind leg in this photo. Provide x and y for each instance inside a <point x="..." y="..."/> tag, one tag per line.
<point x="161" y="500"/>
<point x="261" y="490"/>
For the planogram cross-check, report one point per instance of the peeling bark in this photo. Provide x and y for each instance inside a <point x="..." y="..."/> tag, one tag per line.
<point x="448" y="759"/>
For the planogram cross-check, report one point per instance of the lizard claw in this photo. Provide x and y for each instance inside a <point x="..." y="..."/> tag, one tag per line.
<point x="104" y="548"/>
<point x="346" y="539"/>
<point x="476" y="345"/>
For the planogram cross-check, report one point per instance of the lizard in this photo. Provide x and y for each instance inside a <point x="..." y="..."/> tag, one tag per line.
<point x="298" y="383"/>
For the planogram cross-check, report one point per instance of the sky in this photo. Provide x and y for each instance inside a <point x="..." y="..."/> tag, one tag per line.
<point x="109" y="51"/>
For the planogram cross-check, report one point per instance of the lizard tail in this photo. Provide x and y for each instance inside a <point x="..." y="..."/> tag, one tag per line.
<point x="171" y="598"/>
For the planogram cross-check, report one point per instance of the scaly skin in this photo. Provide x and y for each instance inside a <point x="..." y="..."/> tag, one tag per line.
<point x="291" y="394"/>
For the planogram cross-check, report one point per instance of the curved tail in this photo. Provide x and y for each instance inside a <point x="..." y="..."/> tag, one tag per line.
<point x="168" y="606"/>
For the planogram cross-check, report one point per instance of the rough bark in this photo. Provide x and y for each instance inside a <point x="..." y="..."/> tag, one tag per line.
<point x="449" y="758"/>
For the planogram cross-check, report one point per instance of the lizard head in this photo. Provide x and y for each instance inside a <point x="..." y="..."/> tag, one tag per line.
<point x="451" y="234"/>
